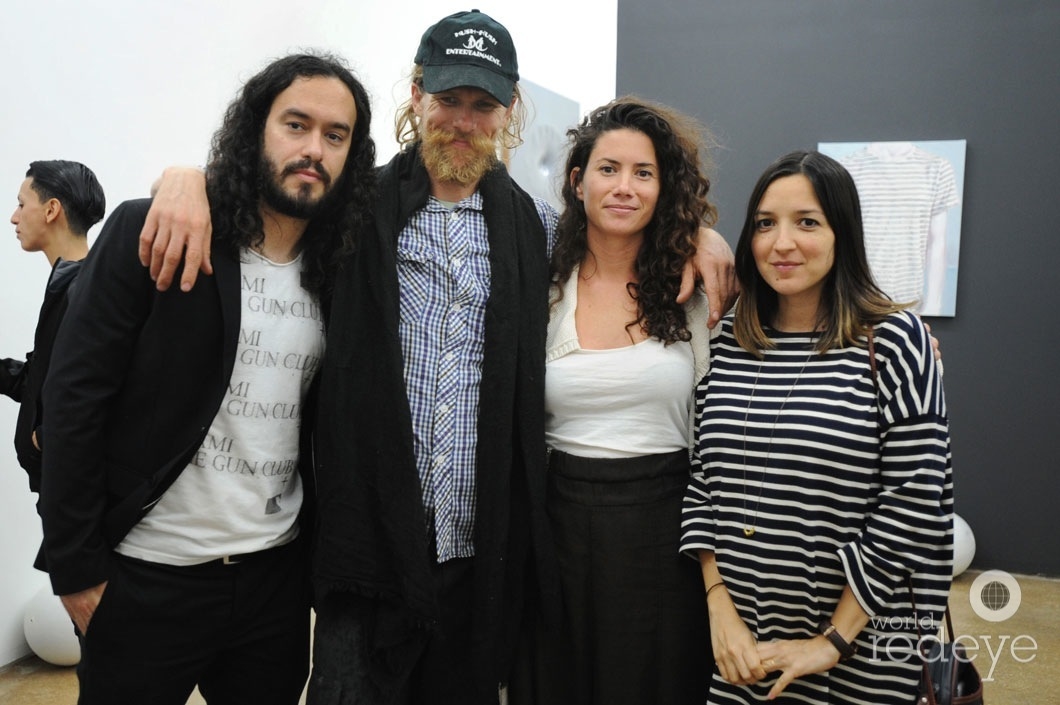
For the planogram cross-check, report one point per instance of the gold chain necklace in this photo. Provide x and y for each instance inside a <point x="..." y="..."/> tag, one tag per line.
<point x="750" y="523"/>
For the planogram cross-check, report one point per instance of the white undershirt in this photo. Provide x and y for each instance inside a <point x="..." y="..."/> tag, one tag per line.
<point x="241" y="492"/>
<point x="622" y="402"/>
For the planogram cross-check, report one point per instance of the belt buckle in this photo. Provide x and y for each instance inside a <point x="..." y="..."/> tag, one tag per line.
<point x="229" y="560"/>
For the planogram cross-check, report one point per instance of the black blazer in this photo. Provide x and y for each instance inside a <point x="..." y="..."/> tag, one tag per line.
<point x="23" y="381"/>
<point x="136" y="379"/>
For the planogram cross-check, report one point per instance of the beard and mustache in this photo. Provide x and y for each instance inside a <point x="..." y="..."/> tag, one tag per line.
<point x="301" y="204"/>
<point x="463" y="166"/>
<point x="444" y="162"/>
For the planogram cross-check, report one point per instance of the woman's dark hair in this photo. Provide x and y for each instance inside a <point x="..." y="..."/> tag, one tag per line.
<point x="671" y="234"/>
<point x="75" y="186"/>
<point x="234" y="182"/>
<point x="850" y="300"/>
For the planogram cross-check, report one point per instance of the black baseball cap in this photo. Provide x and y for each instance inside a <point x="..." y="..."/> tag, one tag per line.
<point x="469" y="49"/>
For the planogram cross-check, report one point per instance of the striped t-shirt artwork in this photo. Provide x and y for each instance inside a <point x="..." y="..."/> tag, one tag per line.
<point x="901" y="187"/>
<point x="836" y="485"/>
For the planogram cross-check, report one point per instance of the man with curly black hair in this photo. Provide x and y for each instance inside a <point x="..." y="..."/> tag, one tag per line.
<point x="175" y="498"/>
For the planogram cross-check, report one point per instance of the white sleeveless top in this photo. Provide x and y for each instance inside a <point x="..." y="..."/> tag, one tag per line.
<point x="622" y="402"/>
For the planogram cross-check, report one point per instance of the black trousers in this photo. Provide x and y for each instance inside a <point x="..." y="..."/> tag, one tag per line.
<point x="240" y="632"/>
<point x="353" y="666"/>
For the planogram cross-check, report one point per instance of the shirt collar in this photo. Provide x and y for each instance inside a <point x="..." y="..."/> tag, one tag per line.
<point x="472" y="202"/>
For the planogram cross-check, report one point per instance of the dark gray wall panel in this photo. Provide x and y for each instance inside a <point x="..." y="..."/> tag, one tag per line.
<point x="769" y="76"/>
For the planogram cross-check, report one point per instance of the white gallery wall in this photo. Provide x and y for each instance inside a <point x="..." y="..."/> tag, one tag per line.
<point x="130" y="86"/>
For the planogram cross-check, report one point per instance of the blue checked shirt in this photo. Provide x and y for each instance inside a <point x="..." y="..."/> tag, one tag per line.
<point x="444" y="278"/>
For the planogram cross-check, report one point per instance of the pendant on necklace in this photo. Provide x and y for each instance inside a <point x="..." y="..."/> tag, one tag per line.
<point x="748" y="531"/>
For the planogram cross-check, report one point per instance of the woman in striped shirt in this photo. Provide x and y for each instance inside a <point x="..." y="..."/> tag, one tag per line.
<point x="821" y="502"/>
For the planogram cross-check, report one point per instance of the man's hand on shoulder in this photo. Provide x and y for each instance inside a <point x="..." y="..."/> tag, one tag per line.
<point x="936" y="349"/>
<point x="177" y="228"/>
<point x="715" y="266"/>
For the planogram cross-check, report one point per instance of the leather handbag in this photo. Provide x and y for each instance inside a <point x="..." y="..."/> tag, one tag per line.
<point x="947" y="676"/>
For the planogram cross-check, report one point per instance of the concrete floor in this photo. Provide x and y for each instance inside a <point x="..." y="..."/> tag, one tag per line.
<point x="1018" y="658"/>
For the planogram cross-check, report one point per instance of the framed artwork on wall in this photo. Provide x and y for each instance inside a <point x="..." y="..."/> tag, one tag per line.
<point x="911" y="194"/>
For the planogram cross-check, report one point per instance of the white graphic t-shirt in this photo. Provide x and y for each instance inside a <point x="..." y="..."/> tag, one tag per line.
<point x="241" y="492"/>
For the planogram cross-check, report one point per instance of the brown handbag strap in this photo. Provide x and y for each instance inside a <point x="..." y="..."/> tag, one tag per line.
<point x="947" y="618"/>
<point x="875" y="373"/>
<point x="872" y="364"/>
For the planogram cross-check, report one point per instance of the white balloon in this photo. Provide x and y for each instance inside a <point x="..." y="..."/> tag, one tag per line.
<point x="963" y="545"/>
<point x="49" y="631"/>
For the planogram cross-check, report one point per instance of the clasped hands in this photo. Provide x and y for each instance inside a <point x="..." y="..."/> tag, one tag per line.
<point x="742" y="660"/>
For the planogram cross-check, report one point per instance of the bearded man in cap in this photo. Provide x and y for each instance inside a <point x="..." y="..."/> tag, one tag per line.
<point x="436" y="485"/>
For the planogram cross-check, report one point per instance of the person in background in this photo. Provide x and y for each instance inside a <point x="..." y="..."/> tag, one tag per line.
<point x="821" y="507"/>
<point x="622" y="362"/>
<point x="57" y="204"/>
<point x="176" y="494"/>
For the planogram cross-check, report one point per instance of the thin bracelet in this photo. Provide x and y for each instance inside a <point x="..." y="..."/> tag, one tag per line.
<point x="717" y="584"/>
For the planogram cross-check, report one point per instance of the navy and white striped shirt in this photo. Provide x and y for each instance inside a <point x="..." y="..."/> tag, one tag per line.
<point x="444" y="277"/>
<point x="839" y="491"/>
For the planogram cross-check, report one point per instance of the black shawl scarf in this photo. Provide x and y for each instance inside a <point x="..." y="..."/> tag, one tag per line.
<point x="372" y="538"/>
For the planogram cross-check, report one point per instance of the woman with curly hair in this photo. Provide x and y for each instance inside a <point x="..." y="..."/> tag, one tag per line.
<point x="622" y="361"/>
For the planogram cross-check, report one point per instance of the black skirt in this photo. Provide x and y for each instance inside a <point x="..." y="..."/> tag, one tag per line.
<point x="634" y="627"/>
